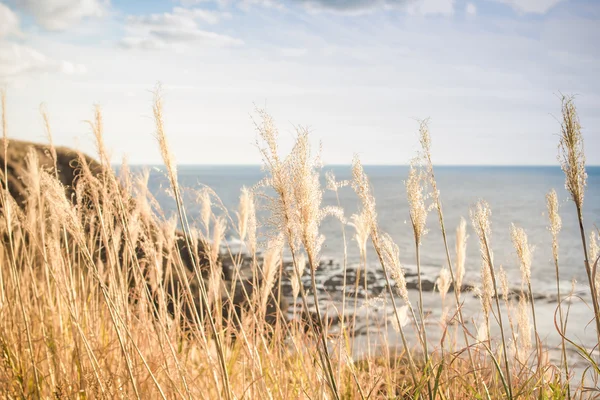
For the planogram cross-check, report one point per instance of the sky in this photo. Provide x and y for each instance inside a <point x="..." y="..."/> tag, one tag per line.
<point x="359" y="74"/>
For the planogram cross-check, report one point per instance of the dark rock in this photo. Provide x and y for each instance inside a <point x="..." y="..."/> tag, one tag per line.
<point x="69" y="166"/>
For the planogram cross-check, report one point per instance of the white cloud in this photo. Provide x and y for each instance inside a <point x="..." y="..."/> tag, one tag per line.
<point x="69" y="68"/>
<point x="360" y="7"/>
<point x="293" y="52"/>
<point x="58" y="15"/>
<point x="174" y="30"/>
<point x="532" y="6"/>
<point x="179" y="17"/>
<point x="10" y="22"/>
<point x="432" y="7"/>
<point x="471" y="9"/>
<point x="18" y="61"/>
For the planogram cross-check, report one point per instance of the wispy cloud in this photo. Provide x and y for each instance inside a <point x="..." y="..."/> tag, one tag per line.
<point x="175" y="29"/>
<point x="361" y="7"/>
<point x="18" y="60"/>
<point x="471" y="9"/>
<point x="532" y="6"/>
<point x="58" y="15"/>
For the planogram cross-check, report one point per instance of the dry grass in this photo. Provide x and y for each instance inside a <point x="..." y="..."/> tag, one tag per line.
<point x="88" y="308"/>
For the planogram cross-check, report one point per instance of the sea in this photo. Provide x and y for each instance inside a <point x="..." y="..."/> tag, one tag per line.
<point x="516" y="195"/>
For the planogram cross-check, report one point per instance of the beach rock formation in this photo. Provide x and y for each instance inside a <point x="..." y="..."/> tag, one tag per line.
<point x="82" y="178"/>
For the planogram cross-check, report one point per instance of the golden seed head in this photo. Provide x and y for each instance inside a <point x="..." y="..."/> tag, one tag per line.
<point x="244" y="212"/>
<point x="219" y="228"/>
<point x="443" y="282"/>
<point x="461" y="251"/>
<point x="415" y="187"/>
<point x="480" y="218"/>
<point x="571" y="153"/>
<point x="503" y="283"/>
<point x="524" y="328"/>
<point x="301" y="265"/>
<point x="362" y="227"/>
<point x="487" y="288"/>
<point x="362" y="187"/>
<point x="165" y="151"/>
<point x="519" y="239"/>
<point x="271" y="262"/>
<point x="391" y="257"/>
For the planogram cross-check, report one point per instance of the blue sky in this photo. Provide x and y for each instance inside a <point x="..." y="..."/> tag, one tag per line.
<point x="358" y="73"/>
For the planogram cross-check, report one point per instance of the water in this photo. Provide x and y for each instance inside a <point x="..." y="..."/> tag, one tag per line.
<point x="515" y="194"/>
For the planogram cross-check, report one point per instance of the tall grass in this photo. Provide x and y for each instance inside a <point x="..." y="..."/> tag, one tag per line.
<point x="101" y="296"/>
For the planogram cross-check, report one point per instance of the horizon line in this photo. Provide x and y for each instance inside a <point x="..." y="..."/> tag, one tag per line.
<point x="349" y="165"/>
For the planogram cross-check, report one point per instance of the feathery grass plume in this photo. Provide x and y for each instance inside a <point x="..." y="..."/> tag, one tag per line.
<point x="554" y="228"/>
<point x="461" y="252"/>
<point x="271" y="263"/>
<point x="503" y="283"/>
<point x="308" y="196"/>
<point x="282" y="207"/>
<point x="169" y="161"/>
<point x="297" y="213"/>
<point x="425" y="141"/>
<point x="524" y="342"/>
<point x="219" y="228"/>
<point x="48" y="129"/>
<point x="6" y="207"/>
<point x="333" y="184"/>
<point x="215" y="275"/>
<point x="62" y="209"/>
<point x="301" y="264"/>
<point x="245" y="208"/>
<point x="443" y="282"/>
<point x="97" y="126"/>
<point x="483" y="331"/>
<point x="4" y="121"/>
<point x="404" y="319"/>
<point x="480" y="217"/>
<point x="205" y="209"/>
<point x="362" y="226"/>
<point x="555" y="220"/>
<point x="415" y="187"/>
<point x="572" y="161"/>
<point x="504" y="287"/>
<point x="519" y="239"/>
<point x="594" y="253"/>
<point x="594" y="249"/>
<point x="571" y="154"/>
<point x="391" y="256"/>
<point x="165" y="150"/>
<point x="487" y="291"/>
<point x="362" y="188"/>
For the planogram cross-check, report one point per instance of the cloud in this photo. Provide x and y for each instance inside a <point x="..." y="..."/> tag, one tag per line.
<point x="359" y="7"/>
<point x="175" y="29"/>
<point x="471" y="9"/>
<point x="18" y="61"/>
<point x="58" y="15"/>
<point x="431" y="7"/>
<point x="349" y="6"/>
<point x="531" y="6"/>
<point x="179" y="17"/>
<point x="10" y="22"/>
<point x="293" y="52"/>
